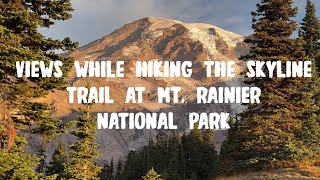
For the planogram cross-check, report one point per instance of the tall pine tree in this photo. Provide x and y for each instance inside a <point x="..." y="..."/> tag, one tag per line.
<point x="47" y="127"/>
<point x="272" y="134"/>
<point x="174" y="150"/>
<point x="57" y="165"/>
<point x="119" y="170"/>
<point x="310" y="32"/>
<point x="20" y="40"/>
<point x="133" y="168"/>
<point x="192" y="146"/>
<point x="107" y="171"/>
<point x="84" y="152"/>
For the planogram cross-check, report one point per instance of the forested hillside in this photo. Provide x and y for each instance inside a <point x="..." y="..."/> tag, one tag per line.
<point x="42" y="136"/>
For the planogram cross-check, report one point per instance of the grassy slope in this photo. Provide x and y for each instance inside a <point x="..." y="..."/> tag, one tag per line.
<point x="309" y="172"/>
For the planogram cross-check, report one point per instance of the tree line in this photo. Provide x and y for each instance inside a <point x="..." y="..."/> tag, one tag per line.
<point x="280" y="132"/>
<point x="187" y="156"/>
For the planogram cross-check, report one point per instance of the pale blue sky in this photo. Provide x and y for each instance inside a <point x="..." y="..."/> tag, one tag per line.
<point x="96" y="18"/>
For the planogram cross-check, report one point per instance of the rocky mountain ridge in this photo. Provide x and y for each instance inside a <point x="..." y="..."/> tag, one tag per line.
<point x="152" y="39"/>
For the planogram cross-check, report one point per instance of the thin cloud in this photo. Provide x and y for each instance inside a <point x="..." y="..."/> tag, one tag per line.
<point x="100" y="17"/>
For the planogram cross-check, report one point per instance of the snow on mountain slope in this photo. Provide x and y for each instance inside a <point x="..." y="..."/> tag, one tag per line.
<point x="149" y="39"/>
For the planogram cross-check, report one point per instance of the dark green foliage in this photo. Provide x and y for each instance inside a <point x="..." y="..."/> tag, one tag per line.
<point x="149" y="151"/>
<point x="111" y="169"/>
<point x="192" y="152"/>
<point x="20" y="40"/>
<point x="16" y="163"/>
<point x="189" y="157"/>
<point x="107" y="171"/>
<point x="199" y="154"/>
<point x="119" y="171"/>
<point x="57" y="164"/>
<point x="174" y="151"/>
<point x="209" y="158"/>
<point x="84" y="152"/>
<point x="161" y="154"/>
<point x="133" y="167"/>
<point x="273" y="134"/>
<point x="310" y="31"/>
<point x="47" y="126"/>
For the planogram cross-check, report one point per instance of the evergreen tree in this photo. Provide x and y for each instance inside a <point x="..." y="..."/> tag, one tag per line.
<point x="84" y="152"/>
<point x="150" y="153"/>
<point x="21" y="41"/>
<point x="230" y="148"/>
<point x="132" y="168"/>
<point x="182" y="163"/>
<point x="107" y="171"/>
<point x="209" y="158"/>
<point x="161" y="154"/>
<point x="57" y="164"/>
<point x="189" y="157"/>
<point x="310" y="31"/>
<point x="119" y="170"/>
<point x="111" y="169"/>
<point x="208" y="137"/>
<point x="16" y="163"/>
<point x="192" y="146"/>
<point x="47" y="126"/>
<point x="271" y="133"/>
<point x="174" y="150"/>
<point x="104" y="173"/>
<point x="152" y="175"/>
